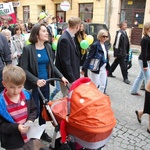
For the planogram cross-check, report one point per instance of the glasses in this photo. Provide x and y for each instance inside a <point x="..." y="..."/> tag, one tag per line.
<point x="105" y="36"/>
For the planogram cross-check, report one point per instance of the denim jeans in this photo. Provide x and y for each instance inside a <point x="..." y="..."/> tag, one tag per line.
<point x="142" y="75"/>
<point x="56" y="90"/>
<point x="39" y="102"/>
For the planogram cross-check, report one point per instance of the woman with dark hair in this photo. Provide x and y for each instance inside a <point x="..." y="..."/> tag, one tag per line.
<point x="38" y="65"/>
<point x="81" y="35"/>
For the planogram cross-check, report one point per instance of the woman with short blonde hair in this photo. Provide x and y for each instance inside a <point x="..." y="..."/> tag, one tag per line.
<point x="100" y="50"/>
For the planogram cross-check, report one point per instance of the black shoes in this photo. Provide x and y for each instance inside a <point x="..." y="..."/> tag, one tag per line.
<point x="148" y="131"/>
<point x="136" y="94"/>
<point x="46" y="137"/>
<point x="138" y="118"/>
<point x="126" y="81"/>
<point x="111" y="75"/>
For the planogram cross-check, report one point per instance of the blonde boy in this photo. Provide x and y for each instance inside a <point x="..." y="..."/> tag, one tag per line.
<point x="16" y="108"/>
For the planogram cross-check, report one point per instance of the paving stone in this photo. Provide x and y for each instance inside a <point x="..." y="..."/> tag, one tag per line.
<point x="124" y="129"/>
<point x="145" y="147"/>
<point x="119" y="126"/>
<point x="137" y="148"/>
<point x="124" y="146"/>
<point x="125" y="142"/>
<point x="142" y="137"/>
<point x="135" y="134"/>
<point x="137" y="140"/>
<point x="130" y="147"/>
<point x="130" y="131"/>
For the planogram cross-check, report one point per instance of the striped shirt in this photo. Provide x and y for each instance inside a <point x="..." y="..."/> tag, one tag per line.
<point x="18" y="111"/>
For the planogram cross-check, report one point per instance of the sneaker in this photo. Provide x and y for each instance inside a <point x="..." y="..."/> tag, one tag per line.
<point x="46" y="137"/>
<point x="126" y="81"/>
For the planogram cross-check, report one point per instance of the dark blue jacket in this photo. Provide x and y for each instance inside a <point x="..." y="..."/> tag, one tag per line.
<point x="96" y="45"/>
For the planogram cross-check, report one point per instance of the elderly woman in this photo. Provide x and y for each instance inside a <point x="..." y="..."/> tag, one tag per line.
<point x="38" y="65"/>
<point x="99" y="48"/>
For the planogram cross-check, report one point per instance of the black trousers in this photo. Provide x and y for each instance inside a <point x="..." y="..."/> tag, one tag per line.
<point x="119" y="61"/>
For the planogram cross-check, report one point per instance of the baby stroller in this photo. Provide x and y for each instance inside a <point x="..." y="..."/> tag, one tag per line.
<point x="84" y="118"/>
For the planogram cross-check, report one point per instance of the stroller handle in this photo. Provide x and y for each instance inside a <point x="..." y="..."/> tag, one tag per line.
<point x="45" y="101"/>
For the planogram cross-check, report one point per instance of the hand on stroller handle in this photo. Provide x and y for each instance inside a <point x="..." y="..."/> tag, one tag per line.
<point x="45" y="101"/>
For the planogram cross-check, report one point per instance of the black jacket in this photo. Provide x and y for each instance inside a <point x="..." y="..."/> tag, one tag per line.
<point x="68" y="57"/>
<point x="30" y="65"/>
<point x="121" y="45"/>
<point x="145" y="50"/>
<point x="5" y="53"/>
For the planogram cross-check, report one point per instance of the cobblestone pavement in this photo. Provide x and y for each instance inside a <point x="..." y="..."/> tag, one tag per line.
<point x="128" y="133"/>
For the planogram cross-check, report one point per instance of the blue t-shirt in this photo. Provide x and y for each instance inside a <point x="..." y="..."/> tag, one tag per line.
<point x="43" y="61"/>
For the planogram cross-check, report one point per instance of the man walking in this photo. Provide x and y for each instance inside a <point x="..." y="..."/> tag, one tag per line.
<point x="68" y="54"/>
<point x="121" y="51"/>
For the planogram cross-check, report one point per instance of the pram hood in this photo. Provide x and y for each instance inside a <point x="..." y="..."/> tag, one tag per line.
<point x="90" y="110"/>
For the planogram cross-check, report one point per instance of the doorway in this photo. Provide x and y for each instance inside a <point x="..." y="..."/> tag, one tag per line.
<point x="137" y="27"/>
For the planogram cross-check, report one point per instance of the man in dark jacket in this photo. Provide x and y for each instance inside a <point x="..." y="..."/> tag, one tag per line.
<point x="68" y="54"/>
<point x="5" y="57"/>
<point x="121" y="51"/>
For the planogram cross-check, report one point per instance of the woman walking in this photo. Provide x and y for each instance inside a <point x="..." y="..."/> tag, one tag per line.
<point x="38" y="64"/>
<point x="99" y="77"/>
<point x="144" y="60"/>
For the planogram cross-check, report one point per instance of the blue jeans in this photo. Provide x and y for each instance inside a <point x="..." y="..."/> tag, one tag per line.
<point x="142" y="75"/>
<point x="55" y="91"/>
<point x="39" y="102"/>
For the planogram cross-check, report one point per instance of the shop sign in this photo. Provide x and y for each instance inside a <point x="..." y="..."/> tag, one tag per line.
<point x="16" y="4"/>
<point x="65" y="5"/>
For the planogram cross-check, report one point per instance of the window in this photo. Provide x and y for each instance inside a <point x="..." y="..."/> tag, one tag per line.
<point x="26" y="13"/>
<point x="86" y="12"/>
<point x="132" y="11"/>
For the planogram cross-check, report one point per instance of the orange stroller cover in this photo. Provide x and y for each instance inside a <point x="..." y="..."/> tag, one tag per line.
<point x="90" y="110"/>
<point x="88" y="114"/>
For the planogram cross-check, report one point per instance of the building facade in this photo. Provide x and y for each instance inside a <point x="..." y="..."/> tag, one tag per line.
<point x="110" y="12"/>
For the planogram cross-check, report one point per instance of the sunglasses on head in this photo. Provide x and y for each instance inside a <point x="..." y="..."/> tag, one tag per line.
<point x="105" y="36"/>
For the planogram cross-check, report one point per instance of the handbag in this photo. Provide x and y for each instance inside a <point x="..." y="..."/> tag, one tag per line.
<point x="95" y="62"/>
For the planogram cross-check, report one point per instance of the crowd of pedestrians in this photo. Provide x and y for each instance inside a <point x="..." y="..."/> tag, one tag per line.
<point x="37" y="62"/>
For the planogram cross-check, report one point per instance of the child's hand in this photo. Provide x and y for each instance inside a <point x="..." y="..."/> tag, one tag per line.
<point x="22" y="128"/>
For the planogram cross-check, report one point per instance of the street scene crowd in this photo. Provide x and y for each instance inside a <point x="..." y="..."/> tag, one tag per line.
<point x="48" y="52"/>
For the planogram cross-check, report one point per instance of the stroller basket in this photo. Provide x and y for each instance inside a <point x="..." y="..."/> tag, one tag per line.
<point x="91" y="119"/>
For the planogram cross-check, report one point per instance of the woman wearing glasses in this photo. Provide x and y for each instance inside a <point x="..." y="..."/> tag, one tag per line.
<point x="99" y="48"/>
